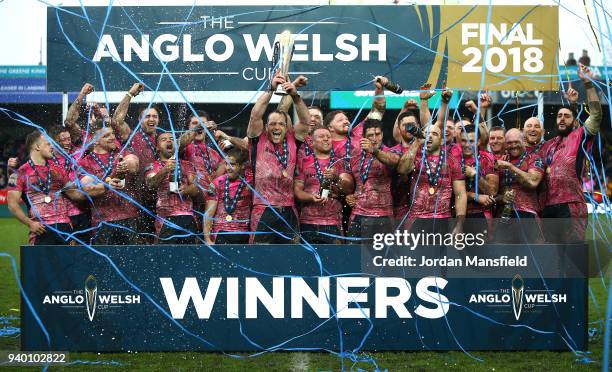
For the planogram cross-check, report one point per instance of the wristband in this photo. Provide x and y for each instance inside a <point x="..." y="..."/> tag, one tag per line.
<point x="130" y="94"/>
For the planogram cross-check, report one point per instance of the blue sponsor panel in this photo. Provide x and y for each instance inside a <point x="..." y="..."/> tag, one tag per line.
<point x="230" y="47"/>
<point x="20" y="84"/>
<point x="233" y="298"/>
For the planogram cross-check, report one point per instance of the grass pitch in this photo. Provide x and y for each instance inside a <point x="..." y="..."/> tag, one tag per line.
<point x="13" y="234"/>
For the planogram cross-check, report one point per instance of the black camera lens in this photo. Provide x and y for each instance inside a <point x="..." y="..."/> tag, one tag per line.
<point x="413" y="129"/>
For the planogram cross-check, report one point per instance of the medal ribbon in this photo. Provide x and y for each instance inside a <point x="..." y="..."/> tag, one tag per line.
<point x="551" y="154"/>
<point x="470" y="184"/>
<point x="230" y="205"/>
<point x="347" y="151"/>
<point x="284" y="157"/>
<point x="147" y="140"/>
<point x="432" y="179"/>
<point x="332" y="155"/>
<point x="106" y="168"/>
<point x="537" y="148"/>
<point x="307" y="149"/>
<point x="364" y="174"/>
<point x="43" y="186"/>
<point x="206" y="157"/>
<point x="66" y="163"/>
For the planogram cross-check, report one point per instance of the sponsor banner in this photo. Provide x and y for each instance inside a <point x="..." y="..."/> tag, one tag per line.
<point x="23" y="84"/>
<point x="220" y="48"/>
<point x="25" y="71"/>
<point x="34" y="98"/>
<point x="23" y="78"/>
<point x="363" y="99"/>
<point x="237" y="298"/>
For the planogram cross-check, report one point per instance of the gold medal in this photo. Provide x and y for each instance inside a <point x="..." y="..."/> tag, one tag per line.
<point x="548" y="170"/>
<point x="432" y="190"/>
<point x="285" y="174"/>
<point x="47" y="199"/>
<point x="228" y="218"/>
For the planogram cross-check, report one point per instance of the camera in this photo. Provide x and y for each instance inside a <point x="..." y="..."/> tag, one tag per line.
<point x="414" y="130"/>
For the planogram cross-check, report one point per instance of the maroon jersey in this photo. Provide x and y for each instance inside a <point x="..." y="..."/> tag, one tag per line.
<point x="344" y="146"/>
<point x="562" y="157"/>
<point x="535" y="149"/>
<point x="329" y="213"/>
<point x="525" y="200"/>
<point x="74" y="208"/>
<point x="205" y="160"/>
<point x="169" y="203"/>
<point x="438" y="204"/>
<point x="42" y="182"/>
<point x="499" y="156"/>
<point x="225" y="192"/>
<point x="274" y="169"/>
<point x="372" y="184"/>
<point x="486" y="166"/>
<point x="111" y="206"/>
<point x="455" y="150"/>
<point x="340" y="146"/>
<point x="400" y="188"/>
<point x="144" y="146"/>
<point x="541" y="190"/>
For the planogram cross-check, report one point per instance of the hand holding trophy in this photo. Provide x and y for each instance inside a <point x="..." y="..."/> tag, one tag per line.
<point x="283" y="51"/>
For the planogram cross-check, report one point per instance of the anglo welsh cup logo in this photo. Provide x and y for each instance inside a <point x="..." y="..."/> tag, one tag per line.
<point x="91" y="292"/>
<point x="518" y="287"/>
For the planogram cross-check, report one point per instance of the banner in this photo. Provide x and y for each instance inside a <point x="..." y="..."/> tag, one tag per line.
<point x="362" y="99"/>
<point x="277" y="297"/>
<point x="23" y="78"/>
<point x="221" y="48"/>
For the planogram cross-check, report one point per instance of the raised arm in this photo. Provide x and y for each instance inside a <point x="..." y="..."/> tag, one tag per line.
<point x="592" y="125"/>
<point x="121" y="128"/>
<point x="71" y="122"/>
<point x="379" y="105"/>
<point x="443" y="112"/>
<point x="301" y="127"/>
<point x="485" y="102"/>
<point x="285" y="103"/>
<point x="256" y="124"/>
<point x="425" y="93"/>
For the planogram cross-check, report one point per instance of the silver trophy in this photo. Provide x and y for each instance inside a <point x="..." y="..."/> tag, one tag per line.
<point x="283" y="51"/>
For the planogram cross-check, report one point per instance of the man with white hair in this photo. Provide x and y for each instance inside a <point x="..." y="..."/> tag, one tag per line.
<point x="533" y="135"/>
<point x="520" y="174"/>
